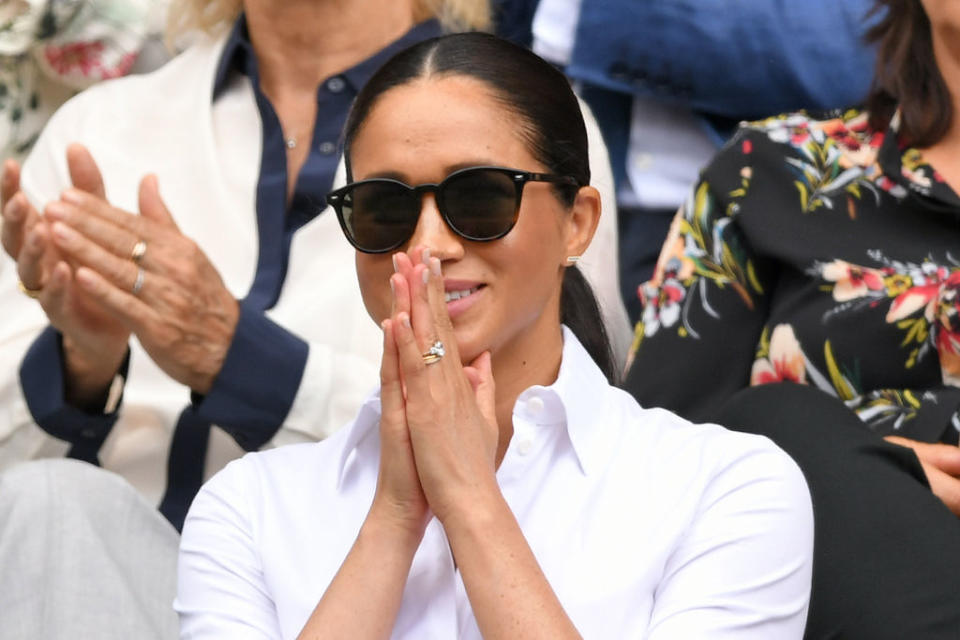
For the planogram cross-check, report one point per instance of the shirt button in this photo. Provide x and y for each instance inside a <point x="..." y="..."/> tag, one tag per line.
<point x="336" y="84"/>
<point x="535" y="404"/>
<point x="525" y="446"/>
<point x="327" y="148"/>
<point x="88" y="433"/>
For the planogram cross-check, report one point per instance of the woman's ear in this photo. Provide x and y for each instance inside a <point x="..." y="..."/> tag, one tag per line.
<point x="582" y="221"/>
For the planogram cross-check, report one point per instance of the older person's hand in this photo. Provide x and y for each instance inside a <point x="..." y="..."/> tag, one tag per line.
<point x="157" y="282"/>
<point x="94" y="342"/>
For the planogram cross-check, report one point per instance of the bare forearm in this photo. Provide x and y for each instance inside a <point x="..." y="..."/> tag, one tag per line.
<point x="508" y="591"/>
<point x="363" y="599"/>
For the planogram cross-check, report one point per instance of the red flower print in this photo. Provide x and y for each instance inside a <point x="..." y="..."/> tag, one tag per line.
<point x="82" y="56"/>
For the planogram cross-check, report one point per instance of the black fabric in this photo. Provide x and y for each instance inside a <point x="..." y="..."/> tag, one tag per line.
<point x="815" y="250"/>
<point x="642" y="233"/>
<point x="887" y="551"/>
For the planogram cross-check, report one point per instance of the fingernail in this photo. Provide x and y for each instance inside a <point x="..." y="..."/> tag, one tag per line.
<point x="426" y="255"/>
<point x="396" y="267"/>
<point x="404" y="319"/>
<point x="435" y="266"/>
<point x="426" y="276"/>
<point x="72" y="196"/>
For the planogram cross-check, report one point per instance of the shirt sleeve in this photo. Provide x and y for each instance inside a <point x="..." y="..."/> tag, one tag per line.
<point x="704" y="309"/>
<point x="224" y="594"/>
<point x="44" y="389"/>
<point x="738" y="59"/>
<point x="743" y="570"/>
<point x="256" y="387"/>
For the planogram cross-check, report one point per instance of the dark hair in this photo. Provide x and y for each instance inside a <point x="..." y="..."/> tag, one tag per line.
<point x="907" y="75"/>
<point x="548" y="118"/>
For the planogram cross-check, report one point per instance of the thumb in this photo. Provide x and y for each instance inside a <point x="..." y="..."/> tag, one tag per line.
<point x="151" y="204"/>
<point x="10" y="182"/>
<point x="84" y="173"/>
<point x="480" y="374"/>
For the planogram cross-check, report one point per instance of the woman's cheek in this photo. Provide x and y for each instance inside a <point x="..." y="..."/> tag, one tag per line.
<point x="374" y="281"/>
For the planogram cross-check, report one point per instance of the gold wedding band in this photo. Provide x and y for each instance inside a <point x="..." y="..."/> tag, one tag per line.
<point x="32" y="293"/>
<point x="434" y="353"/>
<point x="138" y="252"/>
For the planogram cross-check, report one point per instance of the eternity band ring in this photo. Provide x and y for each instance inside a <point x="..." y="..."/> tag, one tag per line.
<point x="138" y="283"/>
<point x="138" y="252"/>
<point x="25" y="290"/>
<point x="434" y="353"/>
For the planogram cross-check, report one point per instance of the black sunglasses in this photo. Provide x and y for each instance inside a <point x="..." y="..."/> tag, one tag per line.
<point x="478" y="203"/>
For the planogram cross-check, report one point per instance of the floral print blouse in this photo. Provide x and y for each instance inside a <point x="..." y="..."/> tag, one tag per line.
<point x="817" y="251"/>
<point x="49" y="49"/>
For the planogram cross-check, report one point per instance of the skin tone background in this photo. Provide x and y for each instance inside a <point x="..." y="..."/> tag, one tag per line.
<point x="445" y="427"/>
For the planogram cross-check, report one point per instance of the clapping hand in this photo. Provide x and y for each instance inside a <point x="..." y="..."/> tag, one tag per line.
<point x="94" y="341"/>
<point x="154" y="280"/>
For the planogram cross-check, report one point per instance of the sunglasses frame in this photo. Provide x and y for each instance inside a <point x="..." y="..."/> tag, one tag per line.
<point x="519" y="177"/>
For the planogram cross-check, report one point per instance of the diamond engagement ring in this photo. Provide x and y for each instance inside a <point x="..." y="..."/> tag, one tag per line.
<point x="434" y="353"/>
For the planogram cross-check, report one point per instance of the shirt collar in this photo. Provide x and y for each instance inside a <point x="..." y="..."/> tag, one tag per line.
<point x="234" y="56"/>
<point x="238" y="54"/>
<point x="905" y="165"/>
<point x="575" y="401"/>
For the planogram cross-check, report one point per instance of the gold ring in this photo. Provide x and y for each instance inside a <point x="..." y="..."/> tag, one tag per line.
<point x="434" y="353"/>
<point x="32" y="293"/>
<point x="138" y="252"/>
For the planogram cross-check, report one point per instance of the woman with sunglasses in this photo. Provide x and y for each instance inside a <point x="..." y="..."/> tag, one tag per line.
<point x="496" y="485"/>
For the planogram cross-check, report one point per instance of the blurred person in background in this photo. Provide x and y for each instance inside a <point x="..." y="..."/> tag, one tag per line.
<point x="668" y="81"/>
<point x="808" y="291"/>
<point x="50" y="49"/>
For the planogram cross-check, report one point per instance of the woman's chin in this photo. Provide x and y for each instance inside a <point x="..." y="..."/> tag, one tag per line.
<point x="469" y="347"/>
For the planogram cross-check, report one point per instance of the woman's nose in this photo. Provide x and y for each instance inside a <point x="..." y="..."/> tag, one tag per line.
<point x="433" y="232"/>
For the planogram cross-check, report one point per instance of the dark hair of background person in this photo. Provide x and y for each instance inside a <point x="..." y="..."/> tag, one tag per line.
<point x="549" y="119"/>
<point x="906" y="75"/>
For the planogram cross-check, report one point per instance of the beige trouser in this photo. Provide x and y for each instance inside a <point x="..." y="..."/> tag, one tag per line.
<point x="82" y="555"/>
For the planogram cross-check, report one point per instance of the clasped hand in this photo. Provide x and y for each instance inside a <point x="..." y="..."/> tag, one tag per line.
<point x="78" y="256"/>
<point x="438" y="427"/>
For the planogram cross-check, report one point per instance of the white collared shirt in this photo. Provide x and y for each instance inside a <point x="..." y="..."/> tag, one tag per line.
<point x="644" y="525"/>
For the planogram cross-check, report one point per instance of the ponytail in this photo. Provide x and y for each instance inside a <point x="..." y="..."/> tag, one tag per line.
<point x="581" y="313"/>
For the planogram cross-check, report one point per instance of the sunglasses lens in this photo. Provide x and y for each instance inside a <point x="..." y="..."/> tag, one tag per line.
<point x="481" y="204"/>
<point x="380" y="215"/>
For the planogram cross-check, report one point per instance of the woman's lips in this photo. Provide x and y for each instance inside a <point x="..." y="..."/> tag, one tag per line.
<point x="461" y="295"/>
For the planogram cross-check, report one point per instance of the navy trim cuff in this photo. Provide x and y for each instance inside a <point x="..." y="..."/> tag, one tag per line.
<point x="42" y="380"/>
<point x="258" y="382"/>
